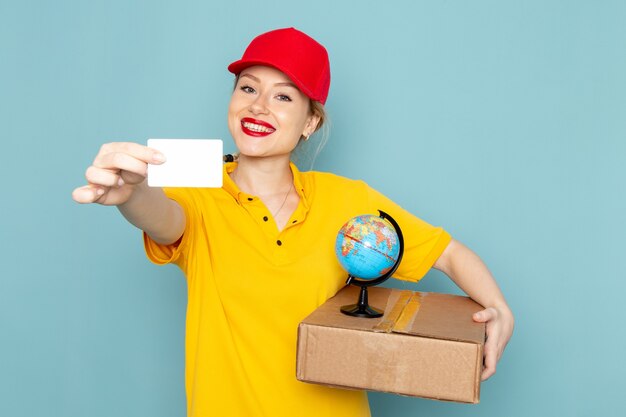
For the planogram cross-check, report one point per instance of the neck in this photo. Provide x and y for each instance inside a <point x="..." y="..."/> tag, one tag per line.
<point x="262" y="176"/>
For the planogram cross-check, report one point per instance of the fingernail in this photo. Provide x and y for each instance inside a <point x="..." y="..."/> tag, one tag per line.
<point x="99" y="191"/>
<point x="120" y="182"/>
<point x="158" y="157"/>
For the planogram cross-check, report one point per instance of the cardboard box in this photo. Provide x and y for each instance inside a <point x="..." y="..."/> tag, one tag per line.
<point x="425" y="345"/>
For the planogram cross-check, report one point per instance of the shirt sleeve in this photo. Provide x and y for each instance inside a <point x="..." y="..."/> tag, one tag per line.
<point x="423" y="243"/>
<point x="174" y="252"/>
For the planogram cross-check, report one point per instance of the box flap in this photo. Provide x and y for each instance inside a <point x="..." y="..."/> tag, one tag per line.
<point x="328" y="314"/>
<point x="441" y="316"/>
<point x="434" y="315"/>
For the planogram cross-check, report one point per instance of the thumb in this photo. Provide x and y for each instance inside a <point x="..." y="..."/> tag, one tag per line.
<point x="87" y="194"/>
<point x="484" y="315"/>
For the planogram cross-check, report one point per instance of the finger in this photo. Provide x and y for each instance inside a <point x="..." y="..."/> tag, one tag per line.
<point x="121" y="161"/>
<point x="105" y="177"/>
<point x="87" y="194"/>
<point x="131" y="178"/>
<point x="490" y="361"/>
<point x="137" y="151"/>
<point x="487" y="373"/>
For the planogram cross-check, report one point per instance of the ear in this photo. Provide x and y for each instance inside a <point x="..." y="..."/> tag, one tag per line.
<point x="311" y="125"/>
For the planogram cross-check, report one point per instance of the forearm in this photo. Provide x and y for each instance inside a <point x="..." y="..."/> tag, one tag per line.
<point x="150" y="210"/>
<point x="471" y="274"/>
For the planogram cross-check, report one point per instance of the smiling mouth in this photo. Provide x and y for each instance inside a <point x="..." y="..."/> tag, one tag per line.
<point x="255" y="127"/>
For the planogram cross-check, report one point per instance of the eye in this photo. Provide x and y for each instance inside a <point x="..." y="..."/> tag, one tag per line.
<point x="283" y="97"/>
<point x="247" y="89"/>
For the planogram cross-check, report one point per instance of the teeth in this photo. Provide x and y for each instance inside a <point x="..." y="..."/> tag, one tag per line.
<point x="257" y="128"/>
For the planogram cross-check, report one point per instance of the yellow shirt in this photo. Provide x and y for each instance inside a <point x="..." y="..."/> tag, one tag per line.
<point x="249" y="286"/>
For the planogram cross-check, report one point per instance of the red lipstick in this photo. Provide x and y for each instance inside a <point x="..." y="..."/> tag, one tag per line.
<point x="256" y="128"/>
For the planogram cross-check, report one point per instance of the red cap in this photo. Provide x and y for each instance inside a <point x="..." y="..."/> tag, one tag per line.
<point x="296" y="54"/>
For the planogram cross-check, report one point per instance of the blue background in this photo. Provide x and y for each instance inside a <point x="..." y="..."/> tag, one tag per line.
<point x="503" y="121"/>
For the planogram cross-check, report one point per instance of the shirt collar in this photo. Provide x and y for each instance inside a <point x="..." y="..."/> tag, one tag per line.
<point x="227" y="183"/>
<point x="231" y="188"/>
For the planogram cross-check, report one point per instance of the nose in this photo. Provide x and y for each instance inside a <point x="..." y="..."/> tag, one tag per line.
<point x="259" y="105"/>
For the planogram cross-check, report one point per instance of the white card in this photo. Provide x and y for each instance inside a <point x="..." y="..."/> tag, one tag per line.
<point x="189" y="163"/>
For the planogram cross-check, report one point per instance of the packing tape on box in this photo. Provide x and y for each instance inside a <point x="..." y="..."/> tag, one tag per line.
<point x="409" y="313"/>
<point x="401" y="315"/>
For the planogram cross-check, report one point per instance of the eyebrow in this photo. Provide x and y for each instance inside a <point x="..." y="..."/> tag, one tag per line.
<point x="285" y="84"/>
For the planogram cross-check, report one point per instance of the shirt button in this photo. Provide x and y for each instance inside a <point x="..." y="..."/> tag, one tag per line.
<point x="278" y="242"/>
<point x="265" y="218"/>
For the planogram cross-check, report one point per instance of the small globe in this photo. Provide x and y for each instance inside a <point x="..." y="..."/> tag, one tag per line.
<point x="367" y="246"/>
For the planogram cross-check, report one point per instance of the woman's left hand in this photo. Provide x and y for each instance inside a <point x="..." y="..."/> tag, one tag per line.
<point x="500" y="325"/>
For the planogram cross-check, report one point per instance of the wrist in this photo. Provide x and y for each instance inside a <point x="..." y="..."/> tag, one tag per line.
<point x="505" y="314"/>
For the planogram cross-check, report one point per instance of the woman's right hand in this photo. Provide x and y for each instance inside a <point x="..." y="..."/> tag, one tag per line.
<point x="116" y="171"/>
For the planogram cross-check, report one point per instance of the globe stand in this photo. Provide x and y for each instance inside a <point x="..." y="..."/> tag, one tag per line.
<point x="362" y="308"/>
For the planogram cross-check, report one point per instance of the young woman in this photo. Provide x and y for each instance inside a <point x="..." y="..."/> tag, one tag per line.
<point x="258" y="253"/>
